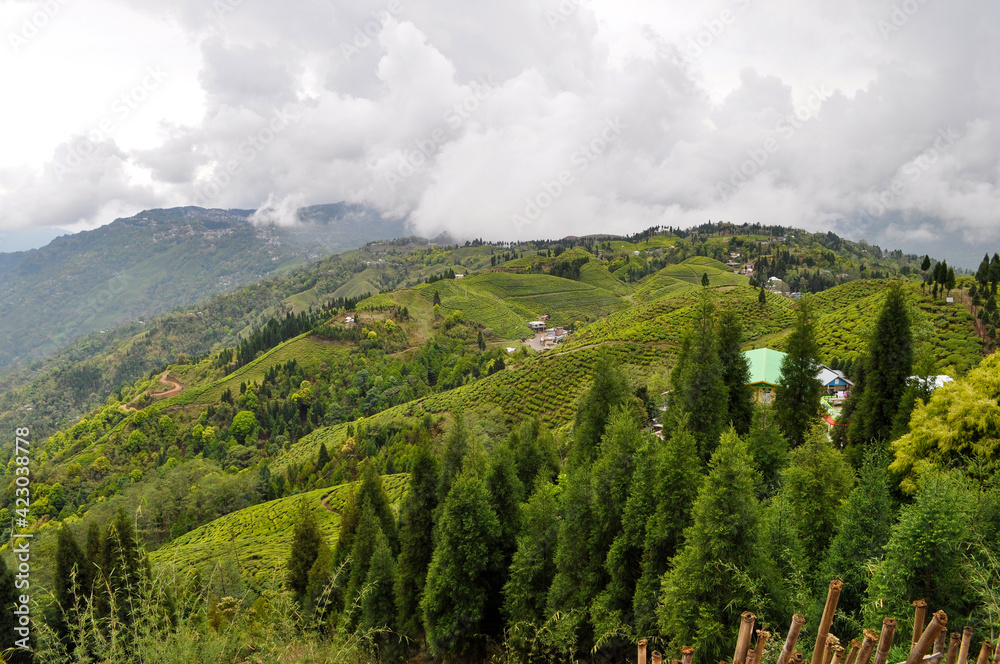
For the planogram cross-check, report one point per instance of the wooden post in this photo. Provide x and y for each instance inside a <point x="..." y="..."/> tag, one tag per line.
<point x="642" y="652"/>
<point x="831" y="641"/>
<point x="838" y="652"/>
<point x="852" y="653"/>
<point x="885" y="640"/>
<point x="984" y="652"/>
<point x="996" y="653"/>
<point x="798" y="658"/>
<point x="747" y="620"/>
<point x="956" y="638"/>
<point x="938" y="622"/>
<point x="687" y="654"/>
<point x="832" y="596"/>
<point x="793" y="636"/>
<point x="867" y="647"/>
<point x="919" y="617"/>
<point x="939" y="644"/>
<point x="758" y="653"/>
<point x="963" y="651"/>
<point x="657" y="657"/>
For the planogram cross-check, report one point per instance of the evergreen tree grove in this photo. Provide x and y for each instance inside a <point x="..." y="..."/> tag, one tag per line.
<point x="796" y="401"/>
<point x="735" y="371"/>
<point x="416" y="529"/>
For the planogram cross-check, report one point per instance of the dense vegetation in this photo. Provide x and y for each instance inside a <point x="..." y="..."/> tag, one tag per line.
<point x="400" y="477"/>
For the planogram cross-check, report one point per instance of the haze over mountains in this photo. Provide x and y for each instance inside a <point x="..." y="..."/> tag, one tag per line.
<point x="158" y="260"/>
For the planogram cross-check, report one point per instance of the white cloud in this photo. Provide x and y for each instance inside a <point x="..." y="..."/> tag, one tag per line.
<point x="464" y="116"/>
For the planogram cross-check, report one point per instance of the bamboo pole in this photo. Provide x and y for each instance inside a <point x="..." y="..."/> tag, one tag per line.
<point x="963" y="651"/>
<point x="996" y="653"/>
<point x="687" y="654"/>
<point x="867" y="647"/>
<point x="885" y="640"/>
<point x="758" y="653"/>
<point x="919" y="617"/>
<point x="798" y="658"/>
<point x="852" y="653"/>
<point x="793" y="636"/>
<point x="984" y="652"/>
<point x="642" y="652"/>
<point x="956" y="638"/>
<point x="838" y="652"/>
<point x="747" y="620"/>
<point x="938" y="622"/>
<point x="939" y="644"/>
<point x="832" y="596"/>
<point x="831" y="641"/>
<point x="657" y="657"/>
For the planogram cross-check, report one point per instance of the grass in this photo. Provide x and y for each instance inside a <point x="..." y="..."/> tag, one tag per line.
<point x="259" y="538"/>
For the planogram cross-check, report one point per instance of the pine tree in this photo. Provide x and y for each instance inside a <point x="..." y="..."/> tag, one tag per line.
<point x="923" y="556"/>
<point x="306" y="540"/>
<point x="926" y="264"/>
<point x="762" y="296"/>
<point x="467" y="538"/>
<point x="735" y="371"/>
<point x="768" y="448"/>
<point x="69" y="579"/>
<point x="702" y="594"/>
<point x="704" y="280"/>
<point x="123" y="570"/>
<point x="699" y="389"/>
<point x="369" y="492"/>
<point x="817" y="479"/>
<point x="416" y="529"/>
<point x="378" y="605"/>
<point x="676" y="475"/>
<point x="609" y="389"/>
<point x="363" y="548"/>
<point x="865" y="522"/>
<point x="533" y="567"/>
<point x="796" y="403"/>
<point x="323" y="457"/>
<point x="480" y="342"/>
<point x="888" y="365"/>
<point x="506" y="495"/>
<point x="456" y="446"/>
<point x="534" y="452"/>
<point x="983" y="273"/>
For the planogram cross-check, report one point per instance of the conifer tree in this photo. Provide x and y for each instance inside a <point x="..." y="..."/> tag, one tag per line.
<point x="363" y="548"/>
<point x="467" y="539"/>
<point x="735" y="371"/>
<point x="123" y="569"/>
<point x="306" y="540"/>
<point x="416" y="528"/>
<point x="817" y="479"/>
<point x="534" y="452"/>
<point x="506" y="496"/>
<point x="699" y="389"/>
<point x="769" y="449"/>
<point x="533" y="567"/>
<point x="456" y="446"/>
<point x="371" y="492"/>
<point x="865" y="521"/>
<point x="702" y="595"/>
<point x="69" y="579"/>
<point x="676" y="475"/>
<point x="480" y="342"/>
<point x="378" y="605"/>
<point x="609" y="389"/>
<point x="888" y="365"/>
<point x="796" y="403"/>
<point x="323" y="457"/>
<point x="983" y="273"/>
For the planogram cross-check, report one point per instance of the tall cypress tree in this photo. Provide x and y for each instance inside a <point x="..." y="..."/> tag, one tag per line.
<point x="702" y="594"/>
<point x="69" y="579"/>
<point x="676" y="475"/>
<point x="735" y="371"/>
<point x="506" y="495"/>
<point x="609" y="389"/>
<point x="888" y="365"/>
<point x="378" y="605"/>
<point x="699" y="389"/>
<point x="306" y="539"/>
<point x="416" y="529"/>
<point x="371" y="492"/>
<point x="466" y="545"/>
<point x="796" y="403"/>
<point x="768" y="448"/>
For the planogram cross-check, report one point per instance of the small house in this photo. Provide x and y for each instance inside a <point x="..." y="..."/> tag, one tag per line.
<point x="765" y="372"/>
<point x="537" y="325"/>
<point x="834" y="381"/>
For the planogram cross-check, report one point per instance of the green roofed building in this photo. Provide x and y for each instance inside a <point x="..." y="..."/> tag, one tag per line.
<point x="765" y="372"/>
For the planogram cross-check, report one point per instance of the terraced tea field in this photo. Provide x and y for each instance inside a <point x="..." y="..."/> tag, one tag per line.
<point x="259" y="538"/>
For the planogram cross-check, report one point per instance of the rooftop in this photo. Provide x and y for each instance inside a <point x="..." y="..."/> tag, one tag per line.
<point x="765" y="365"/>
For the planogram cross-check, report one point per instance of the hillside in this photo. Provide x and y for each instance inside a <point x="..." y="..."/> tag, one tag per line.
<point x="135" y="268"/>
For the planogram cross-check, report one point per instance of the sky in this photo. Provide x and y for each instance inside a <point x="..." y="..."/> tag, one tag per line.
<point x="876" y="119"/>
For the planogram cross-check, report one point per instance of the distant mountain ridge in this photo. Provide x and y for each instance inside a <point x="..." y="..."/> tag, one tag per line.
<point x="155" y="261"/>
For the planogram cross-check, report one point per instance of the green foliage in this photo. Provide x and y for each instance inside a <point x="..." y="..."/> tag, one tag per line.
<point x="244" y="426"/>
<point x="864" y="523"/>
<point x="769" y="449"/>
<point x="416" y="529"/>
<point x="702" y="594"/>
<point x="796" y="402"/>
<point x="888" y="365"/>
<point x="458" y="579"/>
<point x="378" y="604"/>
<point x="306" y="542"/>
<point x="608" y="390"/>
<point x="817" y="479"/>
<point x="735" y="371"/>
